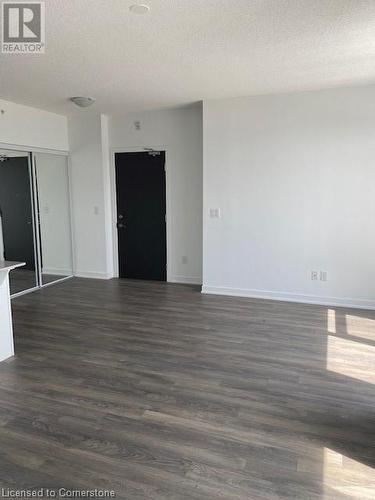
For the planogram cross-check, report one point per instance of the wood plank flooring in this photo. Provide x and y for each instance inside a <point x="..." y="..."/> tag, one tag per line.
<point x="158" y="392"/>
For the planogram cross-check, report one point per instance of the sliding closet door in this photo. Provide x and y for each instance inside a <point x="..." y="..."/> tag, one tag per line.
<point x="17" y="228"/>
<point x="52" y="183"/>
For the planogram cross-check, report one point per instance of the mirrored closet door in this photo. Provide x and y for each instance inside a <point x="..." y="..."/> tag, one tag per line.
<point x="35" y="225"/>
<point x="52" y="185"/>
<point x="17" y="221"/>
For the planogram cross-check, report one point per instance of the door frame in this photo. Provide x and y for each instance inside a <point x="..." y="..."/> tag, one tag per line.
<point x="168" y="191"/>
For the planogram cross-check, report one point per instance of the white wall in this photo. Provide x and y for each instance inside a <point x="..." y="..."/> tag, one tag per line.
<point x="180" y="132"/>
<point x="32" y="128"/>
<point x="294" y="177"/>
<point x="107" y="201"/>
<point x="88" y="196"/>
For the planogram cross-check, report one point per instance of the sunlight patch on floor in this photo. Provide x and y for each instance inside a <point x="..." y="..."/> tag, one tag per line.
<point x="351" y="358"/>
<point x="360" y="327"/>
<point x="355" y="325"/>
<point x="331" y="321"/>
<point x="347" y="476"/>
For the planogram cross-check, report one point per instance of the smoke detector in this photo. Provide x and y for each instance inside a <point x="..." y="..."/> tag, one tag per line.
<point x="82" y="102"/>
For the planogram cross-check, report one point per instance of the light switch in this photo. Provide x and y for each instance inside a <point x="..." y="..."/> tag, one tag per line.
<point x="96" y="210"/>
<point x="323" y="275"/>
<point x="215" y="213"/>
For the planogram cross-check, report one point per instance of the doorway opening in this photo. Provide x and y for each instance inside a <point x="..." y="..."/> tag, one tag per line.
<point x="141" y="215"/>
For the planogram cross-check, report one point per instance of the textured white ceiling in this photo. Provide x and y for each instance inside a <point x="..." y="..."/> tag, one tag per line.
<point x="187" y="50"/>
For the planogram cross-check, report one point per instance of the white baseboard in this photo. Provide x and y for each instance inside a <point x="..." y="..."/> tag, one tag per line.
<point x="57" y="272"/>
<point x="290" y="297"/>
<point x="92" y="275"/>
<point x="189" y="280"/>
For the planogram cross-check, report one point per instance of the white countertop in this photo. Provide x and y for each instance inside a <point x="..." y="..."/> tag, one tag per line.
<point x="7" y="265"/>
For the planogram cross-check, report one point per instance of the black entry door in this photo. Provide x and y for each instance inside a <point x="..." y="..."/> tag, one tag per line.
<point x="16" y="211"/>
<point x="141" y="211"/>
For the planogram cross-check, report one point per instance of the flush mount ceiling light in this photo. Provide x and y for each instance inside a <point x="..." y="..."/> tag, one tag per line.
<point x="82" y="102"/>
<point x="139" y="8"/>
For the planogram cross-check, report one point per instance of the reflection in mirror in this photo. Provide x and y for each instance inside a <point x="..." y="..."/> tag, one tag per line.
<point x="16" y="219"/>
<point x="54" y="216"/>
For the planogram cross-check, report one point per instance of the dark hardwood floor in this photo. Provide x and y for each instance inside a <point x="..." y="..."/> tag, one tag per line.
<point x="158" y="392"/>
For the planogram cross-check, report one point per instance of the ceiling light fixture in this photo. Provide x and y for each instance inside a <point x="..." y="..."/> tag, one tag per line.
<point x="139" y="8"/>
<point x="82" y="102"/>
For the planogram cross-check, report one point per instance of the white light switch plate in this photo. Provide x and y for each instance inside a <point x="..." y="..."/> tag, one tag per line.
<point x="215" y="213"/>
<point x="323" y="275"/>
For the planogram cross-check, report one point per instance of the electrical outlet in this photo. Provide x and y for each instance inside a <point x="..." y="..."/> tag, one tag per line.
<point x="323" y="275"/>
<point x="314" y="275"/>
<point x="184" y="259"/>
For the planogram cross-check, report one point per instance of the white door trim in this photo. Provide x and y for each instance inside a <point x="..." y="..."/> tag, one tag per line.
<point x="31" y="149"/>
<point x="168" y="193"/>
